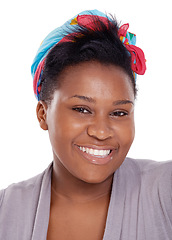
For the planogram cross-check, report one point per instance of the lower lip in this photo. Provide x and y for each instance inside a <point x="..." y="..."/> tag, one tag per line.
<point x="94" y="159"/>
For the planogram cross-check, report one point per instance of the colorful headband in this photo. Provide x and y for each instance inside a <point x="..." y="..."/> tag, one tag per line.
<point x="84" y="19"/>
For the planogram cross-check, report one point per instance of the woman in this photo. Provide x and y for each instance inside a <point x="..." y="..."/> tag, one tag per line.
<point x="84" y="79"/>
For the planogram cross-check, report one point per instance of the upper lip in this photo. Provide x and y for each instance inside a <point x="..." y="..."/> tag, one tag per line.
<point x="98" y="147"/>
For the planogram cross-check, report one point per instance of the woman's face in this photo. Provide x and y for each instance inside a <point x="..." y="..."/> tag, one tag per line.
<point x="91" y="120"/>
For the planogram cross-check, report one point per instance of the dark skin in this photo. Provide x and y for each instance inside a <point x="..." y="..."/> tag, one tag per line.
<point x="92" y="109"/>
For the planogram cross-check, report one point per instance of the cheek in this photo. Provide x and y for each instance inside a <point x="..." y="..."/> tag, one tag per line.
<point x="125" y="133"/>
<point x="64" y="129"/>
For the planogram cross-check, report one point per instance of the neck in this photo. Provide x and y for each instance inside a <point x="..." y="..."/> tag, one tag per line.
<point x="67" y="186"/>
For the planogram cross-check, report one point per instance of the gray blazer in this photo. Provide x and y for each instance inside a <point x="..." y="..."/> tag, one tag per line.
<point x="140" y="206"/>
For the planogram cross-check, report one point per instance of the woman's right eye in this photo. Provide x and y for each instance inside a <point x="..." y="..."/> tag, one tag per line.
<point x="81" y="110"/>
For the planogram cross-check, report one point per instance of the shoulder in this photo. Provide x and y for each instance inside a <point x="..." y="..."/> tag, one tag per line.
<point x="19" y="203"/>
<point x="20" y="190"/>
<point x="24" y="191"/>
<point x="151" y="174"/>
<point x="146" y="166"/>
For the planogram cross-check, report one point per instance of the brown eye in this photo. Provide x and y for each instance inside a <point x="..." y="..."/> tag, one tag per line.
<point x="81" y="110"/>
<point x="119" y="114"/>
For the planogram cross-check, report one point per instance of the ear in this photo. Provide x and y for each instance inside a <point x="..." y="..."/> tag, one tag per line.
<point x="41" y="111"/>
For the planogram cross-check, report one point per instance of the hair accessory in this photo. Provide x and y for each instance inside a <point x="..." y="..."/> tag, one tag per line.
<point x="60" y="34"/>
<point x="138" y="61"/>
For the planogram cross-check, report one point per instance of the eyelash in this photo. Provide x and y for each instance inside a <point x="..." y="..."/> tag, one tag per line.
<point x="81" y="110"/>
<point x="118" y="113"/>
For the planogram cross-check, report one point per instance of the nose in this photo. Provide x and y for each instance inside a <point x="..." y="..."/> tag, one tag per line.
<point x="100" y="130"/>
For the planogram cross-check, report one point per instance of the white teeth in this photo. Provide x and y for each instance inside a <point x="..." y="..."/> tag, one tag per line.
<point x="95" y="152"/>
<point x="91" y="151"/>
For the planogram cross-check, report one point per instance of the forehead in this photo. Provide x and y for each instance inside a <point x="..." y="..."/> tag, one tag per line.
<point x="95" y="79"/>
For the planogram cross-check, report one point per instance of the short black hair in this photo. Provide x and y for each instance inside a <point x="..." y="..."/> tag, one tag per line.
<point x="100" y="44"/>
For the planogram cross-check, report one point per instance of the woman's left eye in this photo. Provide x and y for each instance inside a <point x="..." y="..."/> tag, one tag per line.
<point x="119" y="113"/>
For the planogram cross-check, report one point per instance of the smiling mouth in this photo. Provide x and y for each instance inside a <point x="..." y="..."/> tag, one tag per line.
<point x="96" y="156"/>
<point x="95" y="152"/>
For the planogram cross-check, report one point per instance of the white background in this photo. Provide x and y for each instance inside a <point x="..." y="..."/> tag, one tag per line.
<point x="24" y="148"/>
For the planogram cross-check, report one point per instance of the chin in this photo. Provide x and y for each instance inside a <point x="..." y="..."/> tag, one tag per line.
<point x="96" y="179"/>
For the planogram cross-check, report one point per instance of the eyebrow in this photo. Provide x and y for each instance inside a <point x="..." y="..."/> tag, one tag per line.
<point x="89" y="99"/>
<point x="121" y="102"/>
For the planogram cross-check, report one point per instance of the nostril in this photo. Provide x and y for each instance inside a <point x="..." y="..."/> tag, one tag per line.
<point x="99" y="132"/>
